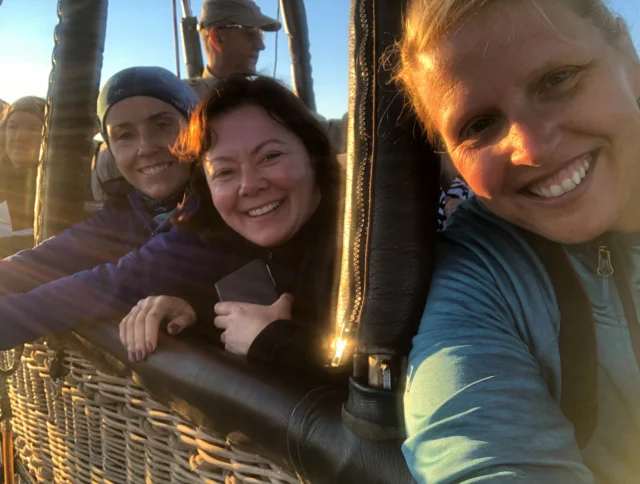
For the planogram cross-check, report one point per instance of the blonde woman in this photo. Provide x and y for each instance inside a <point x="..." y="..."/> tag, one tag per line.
<point x="526" y="364"/>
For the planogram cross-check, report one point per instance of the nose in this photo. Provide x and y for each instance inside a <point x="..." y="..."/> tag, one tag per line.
<point x="259" y="42"/>
<point x="147" y="145"/>
<point x="533" y="140"/>
<point x="252" y="182"/>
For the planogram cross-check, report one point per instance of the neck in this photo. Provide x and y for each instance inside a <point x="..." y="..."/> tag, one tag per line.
<point x="218" y="69"/>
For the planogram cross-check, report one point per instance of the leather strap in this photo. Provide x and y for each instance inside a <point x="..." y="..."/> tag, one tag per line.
<point x="577" y="339"/>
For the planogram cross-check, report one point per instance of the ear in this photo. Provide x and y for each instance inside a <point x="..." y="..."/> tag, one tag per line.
<point x="216" y="39"/>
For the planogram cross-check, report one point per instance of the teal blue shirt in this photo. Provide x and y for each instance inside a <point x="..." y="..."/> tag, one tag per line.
<point x="484" y="379"/>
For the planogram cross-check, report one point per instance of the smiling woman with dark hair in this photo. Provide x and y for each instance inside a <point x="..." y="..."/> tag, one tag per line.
<point x="265" y="185"/>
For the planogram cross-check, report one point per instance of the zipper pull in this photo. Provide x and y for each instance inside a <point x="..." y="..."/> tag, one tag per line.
<point x="605" y="268"/>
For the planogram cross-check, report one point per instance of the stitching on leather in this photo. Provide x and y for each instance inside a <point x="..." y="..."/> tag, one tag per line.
<point x="362" y="224"/>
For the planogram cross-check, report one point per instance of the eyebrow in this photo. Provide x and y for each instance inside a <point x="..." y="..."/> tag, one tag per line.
<point x="153" y="117"/>
<point x="255" y="150"/>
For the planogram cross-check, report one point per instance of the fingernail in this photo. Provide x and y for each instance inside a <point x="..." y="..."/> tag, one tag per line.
<point x="172" y="328"/>
<point x="140" y="355"/>
<point x="149" y="348"/>
<point x="132" y="356"/>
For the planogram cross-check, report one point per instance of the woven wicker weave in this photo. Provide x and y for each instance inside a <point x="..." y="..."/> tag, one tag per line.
<point x="91" y="427"/>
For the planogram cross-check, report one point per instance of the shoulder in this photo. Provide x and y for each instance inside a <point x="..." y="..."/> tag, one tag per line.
<point x="486" y="274"/>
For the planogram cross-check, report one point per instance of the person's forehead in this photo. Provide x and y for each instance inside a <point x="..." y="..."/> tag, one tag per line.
<point x="23" y="117"/>
<point x="501" y="45"/>
<point x="137" y="109"/>
<point x="245" y="128"/>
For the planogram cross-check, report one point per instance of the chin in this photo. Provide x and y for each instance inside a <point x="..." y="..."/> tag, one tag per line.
<point x="569" y="232"/>
<point x="160" y="192"/>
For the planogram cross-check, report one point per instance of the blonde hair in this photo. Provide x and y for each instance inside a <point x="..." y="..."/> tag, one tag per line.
<point x="426" y="21"/>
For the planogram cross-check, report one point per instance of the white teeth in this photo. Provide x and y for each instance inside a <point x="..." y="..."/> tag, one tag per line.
<point x="576" y="178"/>
<point x="256" y="212"/>
<point x="566" y="185"/>
<point x="556" y="190"/>
<point x="154" y="170"/>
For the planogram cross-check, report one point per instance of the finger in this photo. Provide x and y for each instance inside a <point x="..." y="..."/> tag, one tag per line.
<point x="222" y="322"/>
<point x="224" y="308"/>
<point x="152" y="323"/>
<point x="286" y="298"/>
<point x="231" y="349"/>
<point x="131" y="336"/>
<point x="223" y="338"/>
<point x="123" y="329"/>
<point x="139" y="328"/>
<point x="181" y="322"/>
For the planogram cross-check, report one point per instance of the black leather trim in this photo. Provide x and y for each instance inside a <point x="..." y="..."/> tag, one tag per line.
<point x="374" y="413"/>
<point x="395" y="192"/>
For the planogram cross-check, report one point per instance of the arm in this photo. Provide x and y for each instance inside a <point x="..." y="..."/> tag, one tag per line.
<point x="477" y="408"/>
<point x="288" y="344"/>
<point x="103" y="238"/>
<point x="166" y="264"/>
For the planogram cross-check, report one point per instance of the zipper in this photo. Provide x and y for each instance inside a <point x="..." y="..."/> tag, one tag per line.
<point x="606" y="261"/>
<point x="605" y="267"/>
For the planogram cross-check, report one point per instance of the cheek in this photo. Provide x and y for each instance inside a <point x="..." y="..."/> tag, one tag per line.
<point x="293" y="176"/>
<point x="484" y="173"/>
<point x="224" y="198"/>
<point x="169" y="139"/>
<point x="124" y="159"/>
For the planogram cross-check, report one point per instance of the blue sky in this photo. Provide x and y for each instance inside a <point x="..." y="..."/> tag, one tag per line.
<point x="140" y="32"/>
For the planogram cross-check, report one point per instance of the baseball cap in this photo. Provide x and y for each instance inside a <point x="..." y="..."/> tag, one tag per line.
<point x="242" y="12"/>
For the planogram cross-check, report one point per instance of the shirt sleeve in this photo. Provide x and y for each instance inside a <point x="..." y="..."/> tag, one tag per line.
<point x="477" y="408"/>
<point x="103" y="238"/>
<point x="163" y="266"/>
<point x="287" y="344"/>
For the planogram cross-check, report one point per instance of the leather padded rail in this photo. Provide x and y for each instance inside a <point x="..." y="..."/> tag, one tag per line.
<point x="296" y="422"/>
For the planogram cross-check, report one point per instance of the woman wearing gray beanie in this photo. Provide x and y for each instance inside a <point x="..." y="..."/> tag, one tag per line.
<point x="141" y="111"/>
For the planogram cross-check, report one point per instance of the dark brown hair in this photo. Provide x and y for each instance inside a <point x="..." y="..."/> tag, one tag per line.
<point x="282" y="105"/>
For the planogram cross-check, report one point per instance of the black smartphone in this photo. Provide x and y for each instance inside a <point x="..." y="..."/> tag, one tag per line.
<point x="251" y="283"/>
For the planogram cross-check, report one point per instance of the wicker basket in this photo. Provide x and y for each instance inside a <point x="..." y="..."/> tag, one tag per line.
<point x="92" y="427"/>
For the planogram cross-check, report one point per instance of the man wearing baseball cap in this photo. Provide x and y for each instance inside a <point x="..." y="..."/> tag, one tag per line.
<point x="232" y="33"/>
